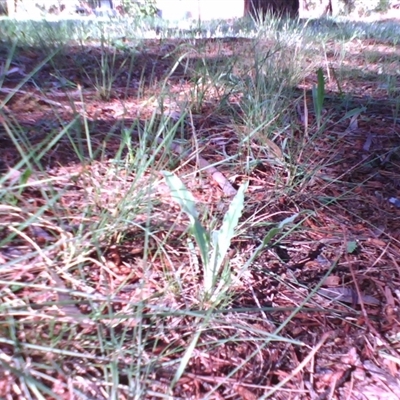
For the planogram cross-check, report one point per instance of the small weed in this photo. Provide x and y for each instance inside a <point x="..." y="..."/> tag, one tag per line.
<point x="213" y="245"/>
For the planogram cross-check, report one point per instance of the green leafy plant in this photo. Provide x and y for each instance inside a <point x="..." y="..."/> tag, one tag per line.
<point x="318" y="94"/>
<point x="213" y="246"/>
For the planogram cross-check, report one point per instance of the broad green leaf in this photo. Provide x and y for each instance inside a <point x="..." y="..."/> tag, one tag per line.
<point x="202" y="239"/>
<point x="229" y="224"/>
<point x="320" y="88"/>
<point x="221" y="239"/>
<point x="274" y="231"/>
<point x="318" y="94"/>
<point x="352" y="113"/>
<point x="180" y="194"/>
<point x="187" y="203"/>
<point x="351" y="247"/>
<point x="25" y="176"/>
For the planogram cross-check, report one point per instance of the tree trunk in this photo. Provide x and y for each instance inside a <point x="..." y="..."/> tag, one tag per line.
<point x="11" y="7"/>
<point x="335" y="7"/>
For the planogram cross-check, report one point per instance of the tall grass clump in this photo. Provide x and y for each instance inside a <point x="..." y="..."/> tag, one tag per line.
<point x="265" y="84"/>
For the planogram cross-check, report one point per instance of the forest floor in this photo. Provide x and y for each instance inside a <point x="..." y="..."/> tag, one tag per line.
<point x="101" y="282"/>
